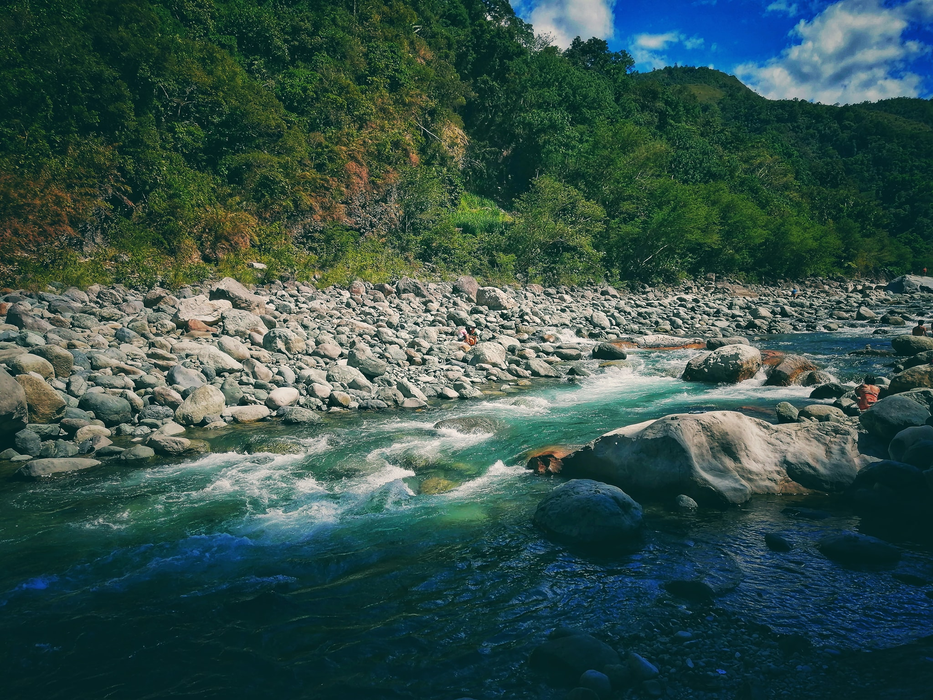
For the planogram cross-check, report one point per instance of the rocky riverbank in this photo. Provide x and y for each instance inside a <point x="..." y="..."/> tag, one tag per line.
<point x="86" y="369"/>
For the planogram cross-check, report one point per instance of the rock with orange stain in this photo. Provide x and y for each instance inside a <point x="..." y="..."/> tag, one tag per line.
<point x="549" y="460"/>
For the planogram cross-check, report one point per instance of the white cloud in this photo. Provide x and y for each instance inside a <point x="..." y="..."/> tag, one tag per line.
<point x="649" y="49"/>
<point x="788" y="8"/>
<point x="854" y="51"/>
<point x="566" y="19"/>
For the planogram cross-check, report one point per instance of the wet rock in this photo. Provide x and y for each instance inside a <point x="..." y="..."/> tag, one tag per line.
<point x="919" y="377"/>
<point x="569" y="653"/>
<point x="906" y="438"/>
<point x="43" y="402"/>
<point x="137" y="453"/>
<point x="46" y="467"/>
<point x="832" y="390"/>
<point x="112" y="410"/>
<point x="910" y="284"/>
<point x="281" y="445"/>
<point x="786" y="412"/>
<point x="247" y="414"/>
<point x="821" y="412"/>
<point x="435" y="485"/>
<point x="608" y="351"/>
<point x="28" y="442"/>
<point x="789" y="370"/>
<point x="695" y="590"/>
<point x="596" y="682"/>
<point x="204" y="401"/>
<point x="891" y="415"/>
<point x="587" y="512"/>
<point x="911" y="344"/>
<point x="683" y="502"/>
<point x="777" y="543"/>
<point x="167" y="445"/>
<point x="729" y="364"/>
<point x="540" y="368"/>
<point x="296" y="415"/>
<point x="720" y="456"/>
<point x="854" y="549"/>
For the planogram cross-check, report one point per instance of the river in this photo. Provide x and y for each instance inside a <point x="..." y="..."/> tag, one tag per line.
<point x="333" y="570"/>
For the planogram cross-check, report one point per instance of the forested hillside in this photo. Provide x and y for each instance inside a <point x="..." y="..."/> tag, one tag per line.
<point x="145" y="140"/>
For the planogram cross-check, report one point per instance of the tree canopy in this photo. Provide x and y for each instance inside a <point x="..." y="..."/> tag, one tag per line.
<point x="164" y="139"/>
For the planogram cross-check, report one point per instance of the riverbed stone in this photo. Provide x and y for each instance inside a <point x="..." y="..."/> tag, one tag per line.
<point x="729" y="364"/>
<point x="494" y="298"/>
<point x="202" y="309"/>
<point x="204" y="401"/>
<point x="587" y="512"/>
<point x="911" y="344"/>
<point x="296" y="415"/>
<point x="789" y="371"/>
<point x="44" y="404"/>
<point x="137" y="453"/>
<point x="281" y="397"/>
<point x="248" y="414"/>
<point x="919" y="377"/>
<point x="168" y="445"/>
<point x="786" y="412"/>
<point x="856" y="549"/>
<point x="239" y="323"/>
<point x="284" y="341"/>
<point x="891" y="415"/>
<point x="13" y="407"/>
<point x="569" y="653"/>
<point x="46" y="467"/>
<point x="185" y="377"/>
<point x="112" y="410"/>
<point x="27" y="363"/>
<point x="608" y="351"/>
<point x="721" y="457"/>
<point x="362" y="358"/>
<point x="237" y="294"/>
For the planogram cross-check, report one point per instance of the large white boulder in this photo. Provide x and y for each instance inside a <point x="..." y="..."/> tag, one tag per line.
<point x="200" y="308"/>
<point x="721" y="456"/>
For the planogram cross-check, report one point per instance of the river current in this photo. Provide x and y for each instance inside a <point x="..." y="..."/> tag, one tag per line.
<point x="379" y="557"/>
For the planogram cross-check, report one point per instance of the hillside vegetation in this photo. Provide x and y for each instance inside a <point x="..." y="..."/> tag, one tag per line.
<point x="166" y="140"/>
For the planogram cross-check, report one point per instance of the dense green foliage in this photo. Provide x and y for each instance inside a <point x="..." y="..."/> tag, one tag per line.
<point x="168" y="139"/>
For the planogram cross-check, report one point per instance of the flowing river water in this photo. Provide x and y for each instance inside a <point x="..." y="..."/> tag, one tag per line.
<point x="332" y="571"/>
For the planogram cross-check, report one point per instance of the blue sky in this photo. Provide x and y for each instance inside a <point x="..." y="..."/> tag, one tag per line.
<point x="843" y="52"/>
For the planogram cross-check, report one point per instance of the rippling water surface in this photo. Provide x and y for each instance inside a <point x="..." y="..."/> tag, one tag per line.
<point x="336" y="570"/>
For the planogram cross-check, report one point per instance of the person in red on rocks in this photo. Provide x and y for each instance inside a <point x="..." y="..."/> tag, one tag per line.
<point x="867" y="392"/>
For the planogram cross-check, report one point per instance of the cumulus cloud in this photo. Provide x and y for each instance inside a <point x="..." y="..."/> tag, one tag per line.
<point x="782" y="6"/>
<point x="650" y="49"/>
<point x="853" y="51"/>
<point x="565" y="19"/>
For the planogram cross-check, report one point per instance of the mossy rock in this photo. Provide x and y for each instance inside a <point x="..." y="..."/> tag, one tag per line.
<point x="436" y="484"/>
<point x="279" y="445"/>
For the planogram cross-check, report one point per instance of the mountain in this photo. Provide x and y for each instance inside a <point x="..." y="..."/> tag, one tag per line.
<point x="145" y="140"/>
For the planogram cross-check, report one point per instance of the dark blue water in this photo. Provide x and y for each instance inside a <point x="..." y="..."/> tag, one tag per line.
<point x="384" y="558"/>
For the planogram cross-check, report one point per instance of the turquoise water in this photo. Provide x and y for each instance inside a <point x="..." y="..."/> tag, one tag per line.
<point x="330" y="572"/>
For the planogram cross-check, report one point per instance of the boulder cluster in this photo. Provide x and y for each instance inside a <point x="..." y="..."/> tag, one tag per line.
<point x="79" y="368"/>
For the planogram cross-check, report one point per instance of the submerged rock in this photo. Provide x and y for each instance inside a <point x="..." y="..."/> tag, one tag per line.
<point x="469" y="425"/>
<point x="569" y="653"/>
<point x="854" y="549"/>
<point x="721" y="456"/>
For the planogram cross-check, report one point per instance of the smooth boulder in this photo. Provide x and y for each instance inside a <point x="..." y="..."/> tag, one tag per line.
<point x="47" y="467"/>
<point x="721" y="457"/>
<point x="910" y="345"/>
<point x="855" y="549"/>
<point x="44" y="403"/>
<point x="204" y="401"/>
<point x="891" y="415"/>
<point x="789" y="370"/>
<point x="13" y="407"/>
<point x="112" y="410"/>
<point x="729" y="364"/>
<point x="587" y="512"/>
